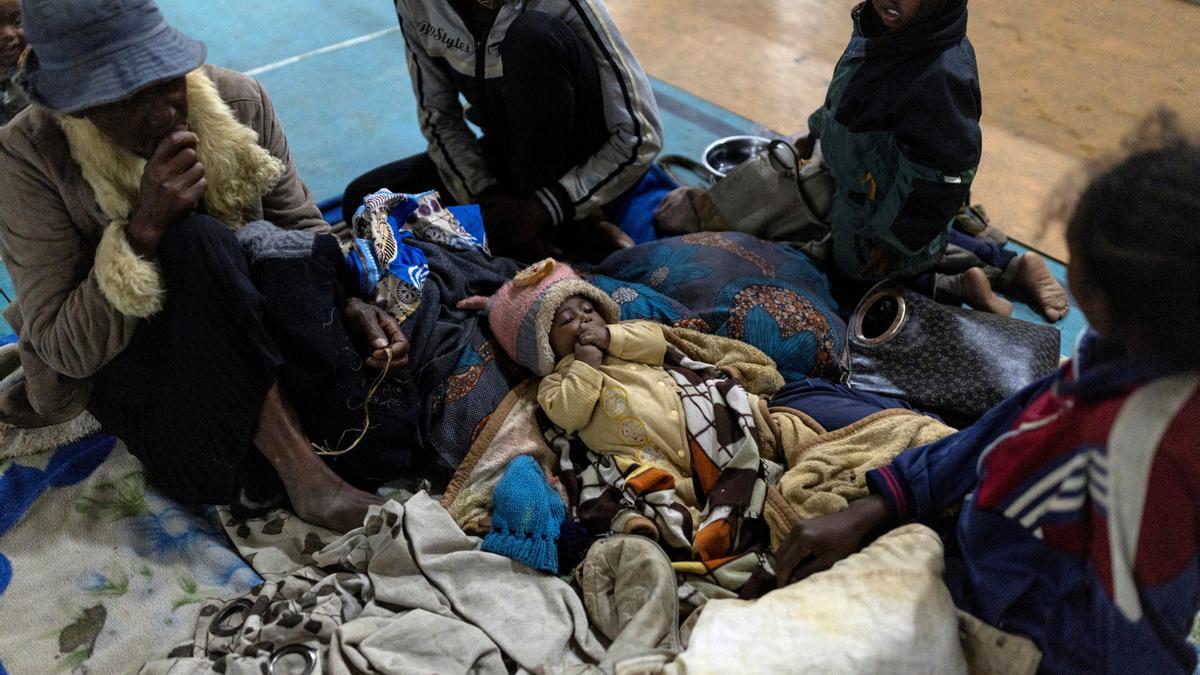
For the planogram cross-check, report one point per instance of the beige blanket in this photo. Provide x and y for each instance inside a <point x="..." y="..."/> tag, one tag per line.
<point x="828" y="471"/>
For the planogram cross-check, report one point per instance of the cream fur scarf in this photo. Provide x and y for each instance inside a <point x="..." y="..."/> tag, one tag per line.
<point x="239" y="173"/>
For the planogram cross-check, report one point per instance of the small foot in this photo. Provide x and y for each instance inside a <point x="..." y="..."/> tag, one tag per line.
<point x="1035" y="284"/>
<point x="976" y="291"/>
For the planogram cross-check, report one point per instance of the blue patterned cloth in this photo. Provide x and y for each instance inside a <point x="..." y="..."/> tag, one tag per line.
<point x="735" y="285"/>
<point x="383" y="261"/>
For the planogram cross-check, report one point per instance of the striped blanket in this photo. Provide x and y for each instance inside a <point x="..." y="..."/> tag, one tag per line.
<point x="711" y="525"/>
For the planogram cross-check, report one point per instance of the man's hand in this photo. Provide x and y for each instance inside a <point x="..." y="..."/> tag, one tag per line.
<point x="515" y="225"/>
<point x="589" y="354"/>
<point x="381" y="333"/>
<point x="816" y="544"/>
<point x="172" y="183"/>
<point x="596" y="336"/>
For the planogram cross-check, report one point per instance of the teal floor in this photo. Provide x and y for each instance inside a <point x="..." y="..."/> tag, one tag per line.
<point x="337" y="75"/>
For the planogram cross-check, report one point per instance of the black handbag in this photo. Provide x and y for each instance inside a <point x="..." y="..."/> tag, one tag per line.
<point x="954" y="362"/>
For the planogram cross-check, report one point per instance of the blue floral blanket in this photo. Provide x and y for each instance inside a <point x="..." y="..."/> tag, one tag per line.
<point x="99" y="573"/>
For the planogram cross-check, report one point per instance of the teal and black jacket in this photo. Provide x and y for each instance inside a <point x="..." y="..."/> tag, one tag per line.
<point x="900" y="134"/>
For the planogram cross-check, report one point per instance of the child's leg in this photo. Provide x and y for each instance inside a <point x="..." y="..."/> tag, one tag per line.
<point x="972" y="287"/>
<point x="1025" y="276"/>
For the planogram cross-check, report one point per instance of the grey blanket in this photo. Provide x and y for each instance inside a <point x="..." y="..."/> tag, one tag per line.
<point x="409" y="592"/>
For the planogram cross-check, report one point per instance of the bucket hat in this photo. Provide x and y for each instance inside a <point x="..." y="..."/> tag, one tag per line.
<point x="85" y="53"/>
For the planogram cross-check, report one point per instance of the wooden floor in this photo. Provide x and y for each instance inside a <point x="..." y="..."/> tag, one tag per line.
<point x="1062" y="81"/>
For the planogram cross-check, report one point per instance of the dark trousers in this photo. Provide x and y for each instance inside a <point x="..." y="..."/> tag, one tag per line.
<point x="549" y="117"/>
<point x="186" y="394"/>
<point x="831" y="404"/>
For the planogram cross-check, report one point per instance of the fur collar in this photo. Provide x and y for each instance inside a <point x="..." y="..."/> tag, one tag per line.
<point x="238" y="169"/>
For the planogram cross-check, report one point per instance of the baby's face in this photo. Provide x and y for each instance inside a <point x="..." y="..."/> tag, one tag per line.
<point x="12" y="38"/>
<point x="570" y="318"/>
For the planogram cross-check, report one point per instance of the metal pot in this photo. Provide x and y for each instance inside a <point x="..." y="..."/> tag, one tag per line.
<point x="724" y="154"/>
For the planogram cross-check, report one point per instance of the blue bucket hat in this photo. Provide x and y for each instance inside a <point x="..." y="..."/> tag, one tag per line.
<point x="85" y="53"/>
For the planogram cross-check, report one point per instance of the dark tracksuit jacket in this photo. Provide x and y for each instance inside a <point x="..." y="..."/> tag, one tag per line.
<point x="1080" y="510"/>
<point x="900" y="135"/>
<point x="445" y="59"/>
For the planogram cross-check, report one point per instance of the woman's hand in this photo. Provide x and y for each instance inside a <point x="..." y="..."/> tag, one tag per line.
<point x="815" y="545"/>
<point x="172" y="184"/>
<point x="381" y="333"/>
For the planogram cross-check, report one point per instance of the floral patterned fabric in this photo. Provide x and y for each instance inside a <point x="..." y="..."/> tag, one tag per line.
<point x="736" y="285"/>
<point x="99" y="573"/>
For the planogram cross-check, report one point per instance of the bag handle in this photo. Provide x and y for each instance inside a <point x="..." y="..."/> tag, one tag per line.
<point x="789" y="169"/>
<point x="670" y="163"/>
<point x="793" y="171"/>
<point x="885" y="290"/>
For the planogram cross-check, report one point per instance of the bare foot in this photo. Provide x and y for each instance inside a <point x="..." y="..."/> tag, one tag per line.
<point x="976" y="291"/>
<point x="1036" y="285"/>
<point x="337" y="506"/>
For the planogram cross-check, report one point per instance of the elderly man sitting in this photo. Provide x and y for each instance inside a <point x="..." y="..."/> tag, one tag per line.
<point x="174" y="275"/>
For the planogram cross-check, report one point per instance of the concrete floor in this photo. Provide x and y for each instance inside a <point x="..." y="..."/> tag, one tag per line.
<point x="1062" y="81"/>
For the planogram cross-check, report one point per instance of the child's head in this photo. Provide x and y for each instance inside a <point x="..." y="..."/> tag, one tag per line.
<point x="572" y="316"/>
<point x="12" y="38"/>
<point x="522" y="314"/>
<point x="1134" y="239"/>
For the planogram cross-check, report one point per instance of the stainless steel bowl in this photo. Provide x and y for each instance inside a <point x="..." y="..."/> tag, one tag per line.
<point x="726" y="153"/>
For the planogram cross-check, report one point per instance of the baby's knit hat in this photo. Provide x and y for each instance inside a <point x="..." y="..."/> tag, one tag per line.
<point x="527" y="515"/>
<point x="521" y="313"/>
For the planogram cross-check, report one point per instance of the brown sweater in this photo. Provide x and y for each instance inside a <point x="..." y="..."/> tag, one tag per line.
<point x="51" y="225"/>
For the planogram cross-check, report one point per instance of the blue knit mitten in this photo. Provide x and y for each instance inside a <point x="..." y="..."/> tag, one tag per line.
<point x="526" y="516"/>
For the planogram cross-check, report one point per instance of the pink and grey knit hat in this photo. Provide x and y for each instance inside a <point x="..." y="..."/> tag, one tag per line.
<point x="521" y="313"/>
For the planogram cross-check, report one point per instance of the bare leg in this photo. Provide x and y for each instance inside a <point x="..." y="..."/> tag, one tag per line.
<point x="976" y="291"/>
<point x="1036" y="285"/>
<point x="318" y="494"/>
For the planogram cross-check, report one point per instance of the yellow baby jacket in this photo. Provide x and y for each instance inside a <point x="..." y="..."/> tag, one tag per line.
<point x="629" y="408"/>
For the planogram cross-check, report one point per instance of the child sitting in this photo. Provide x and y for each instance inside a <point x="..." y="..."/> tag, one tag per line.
<point x="1080" y="496"/>
<point x="900" y="135"/>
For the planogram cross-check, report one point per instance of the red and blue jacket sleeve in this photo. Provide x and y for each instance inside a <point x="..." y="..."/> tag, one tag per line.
<point x="926" y="480"/>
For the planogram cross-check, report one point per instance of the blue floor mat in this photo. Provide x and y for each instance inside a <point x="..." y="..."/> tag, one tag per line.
<point x="339" y="82"/>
